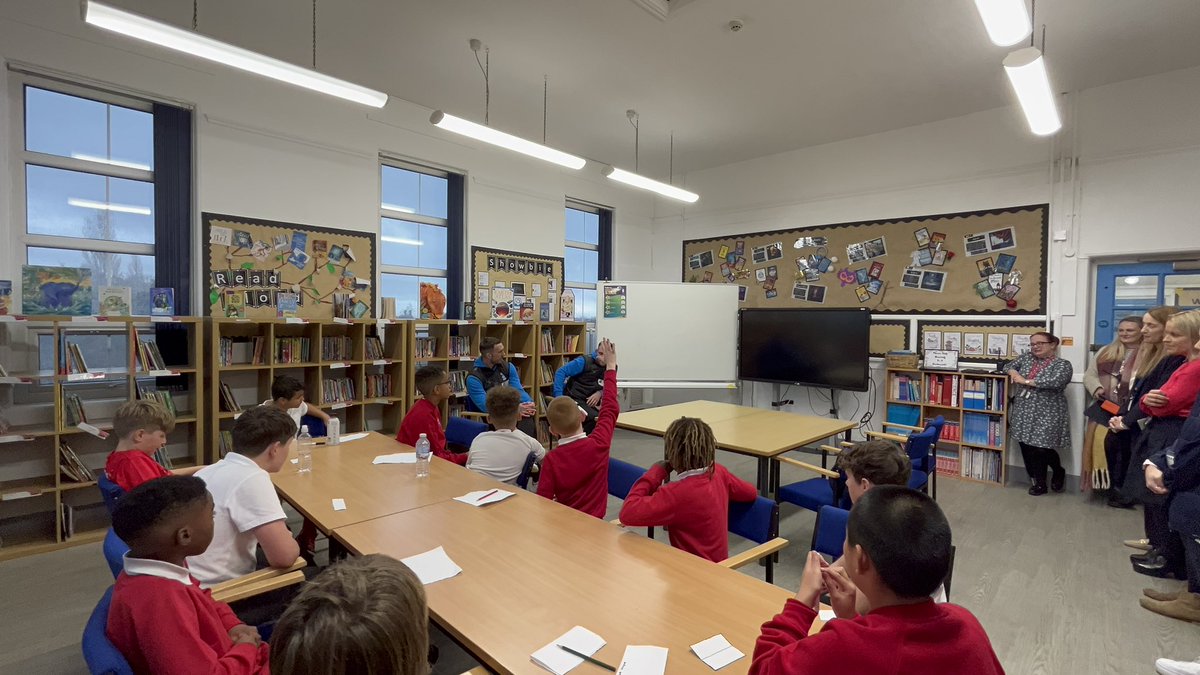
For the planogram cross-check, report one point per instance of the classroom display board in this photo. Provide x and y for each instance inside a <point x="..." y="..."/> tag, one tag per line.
<point x="981" y="342"/>
<point x="646" y="320"/>
<point x="888" y="336"/>
<point x="262" y="269"/>
<point x="982" y="262"/>
<point x="508" y="285"/>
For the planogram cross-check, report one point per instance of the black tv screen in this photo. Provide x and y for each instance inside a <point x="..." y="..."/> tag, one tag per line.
<point x="807" y="347"/>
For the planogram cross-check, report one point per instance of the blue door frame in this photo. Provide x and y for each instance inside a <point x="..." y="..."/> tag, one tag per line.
<point x="1108" y="310"/>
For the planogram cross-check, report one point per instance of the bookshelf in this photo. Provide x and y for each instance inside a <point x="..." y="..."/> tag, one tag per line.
<point x="975" y="406"/>
<point x="558" y="343"/>
<point x="62" y="381"/>
<point x="352" y="369"/>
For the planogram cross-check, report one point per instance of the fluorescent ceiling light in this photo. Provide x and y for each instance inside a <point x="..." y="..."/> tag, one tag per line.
<point x="188" y="42"/>
<point x="401" y="209"/>
<point x="1006" y="21"/>
<point x="623" y="176"/>
<point x="515" y="143"/>
<point x="1132" y="281"/>
<point x="407" y="242"/>
<point x="105" y="206"/>
<point x="1026" y="69"/>
<point x="112" y="162"/>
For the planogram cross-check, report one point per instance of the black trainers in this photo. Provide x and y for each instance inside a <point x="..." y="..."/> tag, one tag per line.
<point x="1058" y="479"/>
<point x="1038" y="489"/>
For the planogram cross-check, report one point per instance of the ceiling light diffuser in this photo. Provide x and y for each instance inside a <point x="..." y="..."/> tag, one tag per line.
<point x="638" y="181"/>
<point x="515" y="143"/>
<point x="1006" y="21"/>
<point x="1026" y="70"/>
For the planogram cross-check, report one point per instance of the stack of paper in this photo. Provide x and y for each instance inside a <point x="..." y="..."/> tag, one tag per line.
<point x="432" y="565"/>
<point x="559" y="661"/>
<point x="346" y="438"/>
<point x="397" y="458"/>
<point x="643" y="660"/>
<point x="484" y="497"/>
<point x="716" y="652"/>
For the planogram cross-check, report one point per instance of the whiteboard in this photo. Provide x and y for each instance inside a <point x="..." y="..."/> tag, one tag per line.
<point x="673" y="334"/>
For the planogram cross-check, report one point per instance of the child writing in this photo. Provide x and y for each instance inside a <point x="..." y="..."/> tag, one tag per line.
<point x="362" y="615"/>
<point x="695" y="507"/>
<point x="141" y="428"/>
<point x="160" y="619"/>
<point x="501" y="454"/>
<point x="897" y="551"/>
<point x="576" y="472"/>
<point x="287" y="394"/>
<point x="425" y="416"/>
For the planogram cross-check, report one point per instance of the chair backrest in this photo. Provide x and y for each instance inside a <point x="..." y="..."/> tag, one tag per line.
<point x="936" y="423"/>
<point x="622" y="476"/>
<point x="461" y="431"/>
<point x="829" y="533"/>
<point x="114" y="552"/>
<point x="949" y="574"/>
<point x="109" y="490"/>
<point x="920" y="446"/>
<point x="757" y="521"/>
<point x="102" y="657"/>
<point x="526" y="470"/>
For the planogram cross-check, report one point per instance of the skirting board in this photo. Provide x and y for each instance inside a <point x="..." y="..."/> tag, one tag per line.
<point x="651" y="384"/>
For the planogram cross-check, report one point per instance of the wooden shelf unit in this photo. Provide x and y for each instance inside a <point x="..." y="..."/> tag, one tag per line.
<point x="34" y="351"/>
<point x="558" y="343"/>
<point x="975" y="407"/>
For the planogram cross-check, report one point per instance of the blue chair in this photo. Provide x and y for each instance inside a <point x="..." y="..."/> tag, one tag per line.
<point x="921" y="448"/>
<point x="827" y="489"/>
<point x="621" y="477"/>
<point x="110" y="491"/>
<point x="114" y="552"/>
<point x="829" y="532"/>
<point x="102" y="657"/>
<point x="462" y="431"/>
<point x="316" y="426"/>
<point x="526" y="471"/>
<point x="757" y="521"/>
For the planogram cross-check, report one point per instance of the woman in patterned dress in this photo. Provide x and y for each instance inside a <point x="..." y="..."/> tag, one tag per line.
<point x="1038" y="417"/>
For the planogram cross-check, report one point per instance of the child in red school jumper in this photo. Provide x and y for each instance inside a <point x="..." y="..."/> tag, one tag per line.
<point x="695" y="507"/>
<point x="425" y="416"/>
<point x="141" y="428"/>
<point x="576" y="472"/>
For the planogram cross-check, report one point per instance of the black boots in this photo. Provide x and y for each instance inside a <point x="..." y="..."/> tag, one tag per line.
<point x="1038" y="489"/>
<point x="1057" y="478"/>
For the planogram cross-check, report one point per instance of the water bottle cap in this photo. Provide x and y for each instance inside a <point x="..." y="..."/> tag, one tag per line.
<point x="422" y="436"/>
<point x="304" y="429"/>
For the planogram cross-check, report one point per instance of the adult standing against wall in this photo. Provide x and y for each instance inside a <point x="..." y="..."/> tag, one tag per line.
<point x="1107" y="380"/>
<point x="1038" y="417"/>
<point x="582" y="379"/>
<point x="493" y="369"/>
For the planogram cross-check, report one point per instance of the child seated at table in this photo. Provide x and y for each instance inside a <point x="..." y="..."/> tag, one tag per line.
<point x="576" y="472"/>
<point x="364" y="614"/>
<point x="501" y="454"/>
<point x="425" y="416"/>
<point x="897" y="551"/>
<point x="160" y="619"/>
<point x="695" y="506"/>
<point x="287" y="394"/>
<point x="141" y="428"/>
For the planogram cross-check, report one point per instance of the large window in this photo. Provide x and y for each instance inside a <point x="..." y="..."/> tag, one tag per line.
<point x="586" y="255"/>
<point x="86" y="175"/>
<point x="1132" y="289"/>
<point x="420" y="236"/>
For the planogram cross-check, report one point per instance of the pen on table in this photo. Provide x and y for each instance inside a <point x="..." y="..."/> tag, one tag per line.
<point x="488" y="495"/>
<point x="587" y="658"/>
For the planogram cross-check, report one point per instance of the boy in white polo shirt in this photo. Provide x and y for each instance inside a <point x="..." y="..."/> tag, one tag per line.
<point x="501" y="454"/>
<point x="287" y="394"/>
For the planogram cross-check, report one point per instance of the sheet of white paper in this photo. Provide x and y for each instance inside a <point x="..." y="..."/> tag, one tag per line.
<point x="826" y="615"/>
<point x="561" y="662"/>
<point x="716" y="652"/>
<point x="397" y="458"/>
<point x="477" y="498"/>
<point x="346" y="438"/>
<point x="643" y="660"/>
<point x="339" y="505"/>
<point x="432" y="566"/>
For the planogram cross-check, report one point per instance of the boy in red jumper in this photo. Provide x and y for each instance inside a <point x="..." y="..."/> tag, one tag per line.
<point x="425" y="416"/>
<point x="897" y="551"/>
<point x="694" y="508"/>
<point x="141" y="428"/>
<point x="576" y="472"/>
<point x="160" y="619"/>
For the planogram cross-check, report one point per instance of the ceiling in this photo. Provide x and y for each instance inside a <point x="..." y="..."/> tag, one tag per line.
<point x="800" y="73"/>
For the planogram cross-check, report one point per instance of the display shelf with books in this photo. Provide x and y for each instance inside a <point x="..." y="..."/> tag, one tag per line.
<point x="62" y="380"/>
<point x="386" y="377"/>
<point x="558" y="343"/>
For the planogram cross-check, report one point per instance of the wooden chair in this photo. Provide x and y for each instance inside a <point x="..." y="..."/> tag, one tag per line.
<point x="920" y="444"/>
<point x="757" y="521"/>
<point x="827" y="489"/>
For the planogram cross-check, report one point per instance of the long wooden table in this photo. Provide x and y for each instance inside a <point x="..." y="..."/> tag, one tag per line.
<point x="763" y="434"/>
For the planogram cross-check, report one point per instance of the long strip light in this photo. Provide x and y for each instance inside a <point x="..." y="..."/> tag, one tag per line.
<point x="1007" y="21"/>
<point x="638" y="181"/>
<point x="1026" y="70"/>
<point x="107" y="206"/>
<point x="515" y="143"/>
<point x="188" y="42"/>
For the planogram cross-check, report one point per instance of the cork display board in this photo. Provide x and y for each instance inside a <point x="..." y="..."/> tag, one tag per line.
<point x="509" y="285"/>
<point x="888" y="336"/>
<point x="262" y="269"/>
<point x="981" y="262"/>
<point x="984" y="342"/>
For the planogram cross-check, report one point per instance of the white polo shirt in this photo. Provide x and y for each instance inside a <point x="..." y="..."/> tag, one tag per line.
<point x="501" y="454"/>
<point x="295" y="413"/>
<point x="243" y="499"/>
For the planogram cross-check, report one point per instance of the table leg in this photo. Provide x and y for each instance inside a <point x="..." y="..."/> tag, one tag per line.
<point x="764" y="476"/>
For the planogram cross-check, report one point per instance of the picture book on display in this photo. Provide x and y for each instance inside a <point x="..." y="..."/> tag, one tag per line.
<point x="115" y="300"/>
<point x="162" y="302"/>
<point x="5" y="297"/>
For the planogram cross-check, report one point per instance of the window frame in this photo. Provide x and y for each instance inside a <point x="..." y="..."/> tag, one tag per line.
<point x="602" y="247"/>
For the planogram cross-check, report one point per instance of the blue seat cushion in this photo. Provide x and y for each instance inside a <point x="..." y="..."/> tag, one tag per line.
<point x="918" y="479"/>
<point x="809" y="494"/>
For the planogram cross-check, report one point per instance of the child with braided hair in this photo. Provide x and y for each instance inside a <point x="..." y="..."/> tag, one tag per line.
<point x="695" y="507"/>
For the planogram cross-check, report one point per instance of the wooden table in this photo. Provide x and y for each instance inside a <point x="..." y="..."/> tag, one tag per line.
<point x="345" y="471"/>
<point x="532" y="569"/>
<point x="764" y="434"/>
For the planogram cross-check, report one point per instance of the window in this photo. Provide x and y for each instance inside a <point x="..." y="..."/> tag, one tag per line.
<point x="87" y="177"/>
<point x="1132" y="289"/>
<point x="588" y="238"/>
<point x="420" y="235"/>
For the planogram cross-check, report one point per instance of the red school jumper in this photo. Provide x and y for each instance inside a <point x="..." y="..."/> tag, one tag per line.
<point x="576" y="474"/>
<point x="425" y="418"/>
<point x="130" y="468"/>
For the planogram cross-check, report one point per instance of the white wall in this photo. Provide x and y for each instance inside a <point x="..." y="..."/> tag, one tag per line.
<point x="271" y="151"/>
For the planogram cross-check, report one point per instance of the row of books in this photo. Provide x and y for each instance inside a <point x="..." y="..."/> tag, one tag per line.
<point x="571" y="343"/>
<point x="66" y="525"/>
<point x="293" y="350"/>
<point x="73" y="409"/>
<point x="242" y="351"/>
<point x="546" y="373"/>
<point x="425" y="347"/>
<point x="71" y="466"/>
<point x="951" y="431"/>
<point x="163" y="459"/>
<point x="374" y="347"/>
<point x="159" y="396"/>
<point x="548" y="340"/>
<point x="74" y="357"/>
<point x="228" y="400"/>
<point x="148" y="356"/>
<point x="905" y="388"/>
<point x="983" y="394"/>
<point x="942" y="389"/>
<point x="337" y="390"/>
<point x="342" y="302"/>
<point x="981" y="464"/>
<point x="981" y="429"/>
<point x="379" y="386"/>
<point x="225" y="442"/>
<point x="460" y="345"/>
<point x="337" y="348"/>
<point x="458" y="381"/>
<point x="946" y="462"/>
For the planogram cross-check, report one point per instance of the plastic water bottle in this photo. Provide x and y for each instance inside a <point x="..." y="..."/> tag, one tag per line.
<point x="305" y="450"/>
<point x="423" y="453"/>
<point x="333" y="431"/>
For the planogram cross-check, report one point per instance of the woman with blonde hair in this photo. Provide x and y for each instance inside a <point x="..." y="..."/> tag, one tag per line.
<point x="1107" y="381"/>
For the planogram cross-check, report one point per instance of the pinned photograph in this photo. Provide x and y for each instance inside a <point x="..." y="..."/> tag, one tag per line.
<point x="803" y="263"/>
<point x="939" y="258"/>
<point x="984" y="289"/>
<point x="876" y="270"/>
<point x="922" y="237"/>
<point x="320" y="248"/>
<point x="812" y="275"/>
<point x="730" y="257"/>
<point x="261" y="250"/>
<point x="537" y="290"/>
<point x="923" y="257"/>
<point x="800" y="291"/>
<point x="723" y="252"/>
<point x="759" y="254"/>
<point x="824" y="264"/>
<point x="220" y="235"/>
<point x="875" y="286"/>
<point x="706" y="258"/>
<point x="911" y="279"/>
<point x="996" y="281"/>
<point x="816" y="294"/>
<point x="876" y="248"/>
<point x="972" y="344"/>
<point x="775" y="251"/>
<point x="242" y="239"/>
<point x="860" y="275"/>
<point x="932" y="339"/>
<point x="975" y="244"/>
<point x="952" y="341"/>
<point x="483" y="295"/>
<point x="298" y="258"/>
<point x="518" y="288"/>
<point x="694" y="262"/>
<point x="1005" y="262"/>
<point x="932" y="281"/>
<point x="760" y="274"/>
<point x="739" y="248"/>
<point x="771" y="293"/>
<point x="1001" y="239"/>
<point x="856" y="253"/>
<point x="1020" y="344"/>
<point x="708" y="275"/>
<point x="986" y="267"/>
<point x="772" y="272"/>
<point x="1008" y="292"/>
<point x="482" y="279"/>
<point x="281" y="242"/>
<point x="741" y="293"/>
<point x="997" y="344"/>
<point x="862" y="293"/>
<point x="937" y="239"/>
<point x="739" y="263"/>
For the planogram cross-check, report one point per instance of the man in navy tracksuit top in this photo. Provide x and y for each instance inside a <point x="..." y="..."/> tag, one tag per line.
<point x="493" y="369"/>
<point x="582" y="379"/>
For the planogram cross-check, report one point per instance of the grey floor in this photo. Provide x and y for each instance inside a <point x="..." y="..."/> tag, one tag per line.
<point x="1046" y="576"/>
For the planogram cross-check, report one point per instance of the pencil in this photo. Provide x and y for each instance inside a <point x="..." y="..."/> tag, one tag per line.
<point x="587" y="658"/>
<point x="488" y="495"/>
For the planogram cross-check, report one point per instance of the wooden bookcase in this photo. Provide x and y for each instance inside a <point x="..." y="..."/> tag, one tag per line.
<point x="975" y="407"/>
<point x="41" y="507"/>
<point x="558" y="343"/>
<point x="364" y="386"/>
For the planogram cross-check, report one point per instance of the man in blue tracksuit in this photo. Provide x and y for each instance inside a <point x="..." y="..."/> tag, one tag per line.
<point x="492" y="369"/>
<point x="582" y="379"/>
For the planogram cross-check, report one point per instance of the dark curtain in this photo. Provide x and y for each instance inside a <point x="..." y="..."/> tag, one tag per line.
<point x="455" y="244"/>
<point x="173" y="221"/>
<point x="605" y="262"/>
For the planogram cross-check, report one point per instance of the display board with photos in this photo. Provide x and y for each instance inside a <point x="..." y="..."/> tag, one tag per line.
<point x="262" y="269"/>
<point x="979" y="262"/>
<point x="515" y="286"/>
<point x="978" y="342"/>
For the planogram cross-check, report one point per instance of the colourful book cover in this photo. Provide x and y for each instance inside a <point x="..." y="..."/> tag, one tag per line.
<point x="287" y="304"/>
<point x="115" y="300"/>
<point x="162" y="302"/>
<point x="5" y="297"/>
<point x="49" y="291"/>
